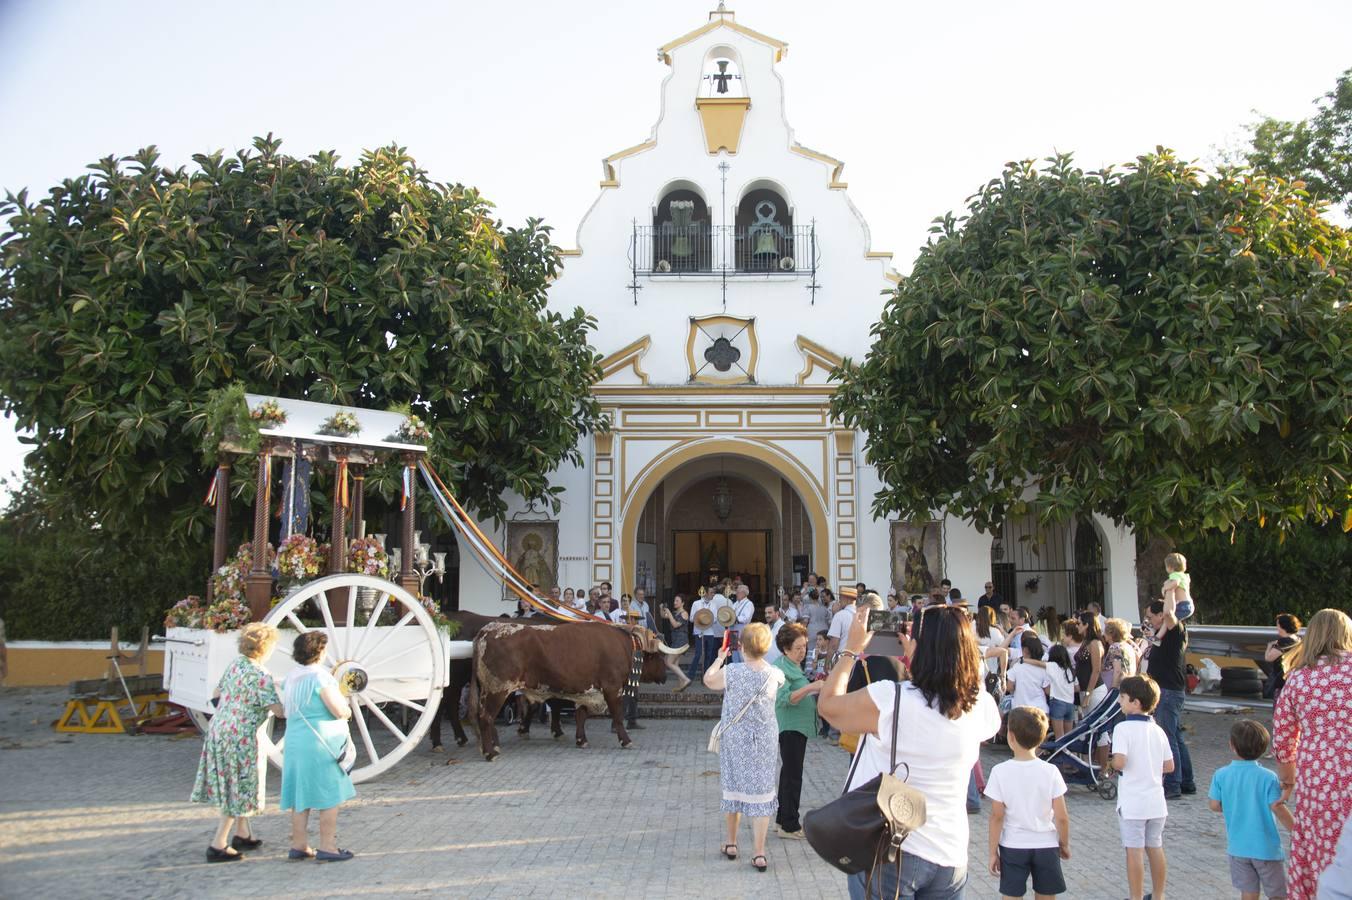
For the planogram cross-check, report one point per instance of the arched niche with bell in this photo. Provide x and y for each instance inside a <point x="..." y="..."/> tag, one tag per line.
<point x="764" y="228"/>
<point x="681" y="235"/>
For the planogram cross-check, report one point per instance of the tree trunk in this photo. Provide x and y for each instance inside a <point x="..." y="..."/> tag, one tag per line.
<point x="1150" y="553"/>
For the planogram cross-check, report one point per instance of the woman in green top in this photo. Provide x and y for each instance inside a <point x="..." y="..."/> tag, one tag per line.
<point x="796" y="712"/>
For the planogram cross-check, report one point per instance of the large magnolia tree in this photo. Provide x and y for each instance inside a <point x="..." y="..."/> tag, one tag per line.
<point x="129" y="293"/>
<point x="1165" y="348"/>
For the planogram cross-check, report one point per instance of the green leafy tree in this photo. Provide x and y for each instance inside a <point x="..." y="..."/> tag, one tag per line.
<point x="129" y="293"/>
<point x="1317" y="150"/>
<point x="1166" y="349"/>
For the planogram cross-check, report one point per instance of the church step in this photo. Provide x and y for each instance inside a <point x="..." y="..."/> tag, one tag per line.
<point x="689" y="695"/>
<point x="672" y="711"/>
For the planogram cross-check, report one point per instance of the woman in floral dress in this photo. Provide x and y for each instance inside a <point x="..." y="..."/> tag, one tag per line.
<point x="748" y="749"/>
<point x="229" y="773"/>
<point x="1312" y="740"/>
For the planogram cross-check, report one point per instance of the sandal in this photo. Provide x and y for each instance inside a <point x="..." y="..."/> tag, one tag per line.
<point x="763" y="864"/>
<point x="733" y="854"/>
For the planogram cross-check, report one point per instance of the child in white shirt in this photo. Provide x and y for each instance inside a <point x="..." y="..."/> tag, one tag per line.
<point x="1028" y="684"/>
<point x="1141" y="753"/>
<point x="1061" y="703"/>
<point x="1029" y="827"/>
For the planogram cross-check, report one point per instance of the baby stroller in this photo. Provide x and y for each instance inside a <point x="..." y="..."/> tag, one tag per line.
<point x="1073" y="754"/>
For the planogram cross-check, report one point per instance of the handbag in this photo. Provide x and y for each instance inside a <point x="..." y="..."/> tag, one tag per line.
<point x="348" y="760"/>
<point x="863" y="826"/>
<point x="716" y="735"/>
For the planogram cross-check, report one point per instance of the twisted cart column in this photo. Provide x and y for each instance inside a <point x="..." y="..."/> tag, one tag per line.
<point x="221" y="539"/>
<point x="407" y="579"/>
<point x="258" y="584"/>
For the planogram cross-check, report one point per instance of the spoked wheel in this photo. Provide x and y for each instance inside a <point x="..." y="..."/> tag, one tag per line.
<point x="1107" y="789"/>
<point x="383" y="648"/>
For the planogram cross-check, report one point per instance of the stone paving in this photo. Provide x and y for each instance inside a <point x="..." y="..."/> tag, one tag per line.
<point x="107" y="816"/>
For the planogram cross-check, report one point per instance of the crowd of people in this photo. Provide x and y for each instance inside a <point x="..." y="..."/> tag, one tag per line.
<point x="1001" y="673"/>
<point x="964" y="675"/>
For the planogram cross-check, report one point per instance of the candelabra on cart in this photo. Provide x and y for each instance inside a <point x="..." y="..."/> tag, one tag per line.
<point x="387" y="650"/>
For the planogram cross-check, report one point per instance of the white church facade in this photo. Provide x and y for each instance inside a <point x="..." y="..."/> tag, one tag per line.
<point x="729" y="272"/>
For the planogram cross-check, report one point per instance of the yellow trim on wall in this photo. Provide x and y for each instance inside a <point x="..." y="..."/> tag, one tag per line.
<point x="608" y="164"/>
<point x="768" y="441"/>
<point x="625" y="357"/>
<point x="690" y="450"/>
<point x="612" y="391"/>
<point x="722" y="119"/>
<point x="814" y="356"/>
<point x="838" y="166"/>
<point x="724" y="20"/>
<point x="747" y="324"/>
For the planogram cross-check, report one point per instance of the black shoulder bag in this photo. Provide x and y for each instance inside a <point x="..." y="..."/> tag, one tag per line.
<point x="861" y="827"/>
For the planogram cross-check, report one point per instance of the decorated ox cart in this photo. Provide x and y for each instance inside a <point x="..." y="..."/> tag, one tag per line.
<point x="389" y="651"/>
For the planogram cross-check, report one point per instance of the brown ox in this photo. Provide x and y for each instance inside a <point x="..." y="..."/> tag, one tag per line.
<point x="585" y="662"/>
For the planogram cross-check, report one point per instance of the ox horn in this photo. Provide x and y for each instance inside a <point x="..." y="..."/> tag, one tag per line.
<point x="669" y="651"/>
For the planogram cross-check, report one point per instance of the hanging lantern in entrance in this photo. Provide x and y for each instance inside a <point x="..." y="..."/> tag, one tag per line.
<point x="722" y="499"/>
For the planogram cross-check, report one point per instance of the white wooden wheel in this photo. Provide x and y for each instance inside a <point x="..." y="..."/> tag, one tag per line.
<point x="386" y="648"/>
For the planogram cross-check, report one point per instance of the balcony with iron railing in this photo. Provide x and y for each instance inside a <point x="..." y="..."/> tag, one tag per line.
<point x="681" y="250"/>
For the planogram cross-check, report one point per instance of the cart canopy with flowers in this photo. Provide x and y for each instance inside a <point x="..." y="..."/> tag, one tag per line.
<point x="388" y="648"/>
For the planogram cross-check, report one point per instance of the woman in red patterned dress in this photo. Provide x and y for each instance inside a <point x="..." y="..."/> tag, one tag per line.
<point x="1312" y="739"/>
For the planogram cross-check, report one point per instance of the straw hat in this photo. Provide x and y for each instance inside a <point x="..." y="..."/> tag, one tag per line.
<point x="704" y="618"/>
<point x="726" y="616"/>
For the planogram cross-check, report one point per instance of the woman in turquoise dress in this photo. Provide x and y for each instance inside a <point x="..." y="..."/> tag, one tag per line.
<point x="316" y="734"/>
<point x="229" y="774"/>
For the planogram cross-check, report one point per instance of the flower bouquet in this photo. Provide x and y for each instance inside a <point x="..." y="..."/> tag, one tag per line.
<point x="226" y="615"/>
<point x="444" y="625"/>
<point x="412" y="431"/>
<point x="365" y="556"/>
<point x="268" y="414"/>
<point x="299" y="559"/>
<point x="186" y="613"/>
<point x="229" y="580"/>
<point x="340" y="424"/>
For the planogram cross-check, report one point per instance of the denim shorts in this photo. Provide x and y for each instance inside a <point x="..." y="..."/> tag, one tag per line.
<point x="1060" y="710"/>
<point x="1138" y="833"/>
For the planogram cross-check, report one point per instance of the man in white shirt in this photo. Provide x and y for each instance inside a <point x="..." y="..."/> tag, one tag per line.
<point x="707" y="637"/>
<point x="640" y="603"/>
<point x="772" y="618"/>
<point x="744" y="609"/>
<point x="840" y="625"/>
<point x="1020" y="617"/>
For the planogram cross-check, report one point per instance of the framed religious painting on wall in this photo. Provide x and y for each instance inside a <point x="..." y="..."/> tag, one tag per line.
<point x="533" y="550"/>
<point x="917" y="556"/>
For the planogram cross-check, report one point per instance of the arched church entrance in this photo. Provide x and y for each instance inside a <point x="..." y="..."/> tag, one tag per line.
<point x="724" y="515"/>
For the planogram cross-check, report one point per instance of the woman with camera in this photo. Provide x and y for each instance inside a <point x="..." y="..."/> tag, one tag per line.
<point x="943" y="716"/>
<point x="316" y="735"/>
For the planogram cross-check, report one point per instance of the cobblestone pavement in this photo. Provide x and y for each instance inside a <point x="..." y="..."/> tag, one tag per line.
<point x="107" y="816"/>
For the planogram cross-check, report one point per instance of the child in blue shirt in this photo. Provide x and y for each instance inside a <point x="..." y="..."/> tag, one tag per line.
<point x="1251" y="799"/>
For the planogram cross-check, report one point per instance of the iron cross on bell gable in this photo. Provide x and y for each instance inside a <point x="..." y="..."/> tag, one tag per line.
<point x="722" y="77"/>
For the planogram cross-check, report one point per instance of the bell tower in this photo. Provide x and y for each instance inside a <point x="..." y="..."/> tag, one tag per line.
<point x="722" y="100"/>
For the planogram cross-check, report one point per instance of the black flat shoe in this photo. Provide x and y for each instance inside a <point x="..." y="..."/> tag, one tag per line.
<point x="243" y="843"/>
<point x="215" y="856"/>
<point x="763" y="864"/>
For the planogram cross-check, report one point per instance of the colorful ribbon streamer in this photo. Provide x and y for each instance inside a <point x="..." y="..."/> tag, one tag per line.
<point x="341" y="488"/>
<point x="488" y="554"/>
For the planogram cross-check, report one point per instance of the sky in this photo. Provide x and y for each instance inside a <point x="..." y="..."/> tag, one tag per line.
<point x="924" y="102"/>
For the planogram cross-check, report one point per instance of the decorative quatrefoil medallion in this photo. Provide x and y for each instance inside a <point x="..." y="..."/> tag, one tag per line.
<point x="722" y="354"/>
